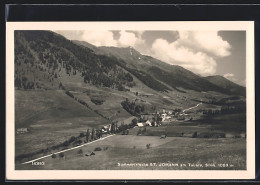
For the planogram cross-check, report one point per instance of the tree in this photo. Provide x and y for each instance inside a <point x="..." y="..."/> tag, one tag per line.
<point x="61" y="86"/>
<point x="72" y="138"/>
<point x="134" y="121"/>
<point x="137" y="109"/>
<point x="80" y="151"/>
<point x="194" y="135"/>
<point x="116" y="127"/>
<point x="142" y="108"/>
<point x="87" y="135"/>
<point x="123" y="128"/>
<point x="61" y="155"/>
<point x="113" y="127"/>
<point x="93" y="134"/>
<point x="139" y="132"/>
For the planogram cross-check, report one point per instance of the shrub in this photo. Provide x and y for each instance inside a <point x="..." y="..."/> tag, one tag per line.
<point x="72" y="139"/>
<point x="80" y="151"/>
<point x="97" y="149"/>
<point x="194" y="135"/>
<point x="97" y="101"/>
<point x="61" y="155"/>
<point x="53" y="156"/>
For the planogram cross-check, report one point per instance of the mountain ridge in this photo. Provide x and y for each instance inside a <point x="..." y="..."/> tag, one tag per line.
<point x="174" y="75"/>
<point x="109" y="66"/>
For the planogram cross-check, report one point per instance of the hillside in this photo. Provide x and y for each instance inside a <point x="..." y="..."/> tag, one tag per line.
<point x="227" y="84"/>
<point x="172" y="75"/>
<point x="63" y="88"/>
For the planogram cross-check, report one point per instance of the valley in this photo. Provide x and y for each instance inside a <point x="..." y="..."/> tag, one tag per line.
<point x="74" y="99"/>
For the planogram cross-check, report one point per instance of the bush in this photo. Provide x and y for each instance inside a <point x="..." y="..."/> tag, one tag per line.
<point x="80" y="151"/>
<point x="61" y="155"/>
<point x="53" y="156"/>
<point x="194" y="135"/>
<point x="97" y="149"/>
<point x="72" y="139"/>
<point x="97" y="101"/>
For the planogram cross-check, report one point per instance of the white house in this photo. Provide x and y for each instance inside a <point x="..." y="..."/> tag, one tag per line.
<point x="140" y="124"/>
<point x="21" y="130"/>
<point x="148" y="123"/>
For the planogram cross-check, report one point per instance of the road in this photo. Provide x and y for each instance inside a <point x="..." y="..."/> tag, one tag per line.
<point x="73" y="148"/>
<point x="192" y="107"/>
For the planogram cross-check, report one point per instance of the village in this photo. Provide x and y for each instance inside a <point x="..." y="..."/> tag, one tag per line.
<point x="155" y="119"/>
<point x="137" y="126"/>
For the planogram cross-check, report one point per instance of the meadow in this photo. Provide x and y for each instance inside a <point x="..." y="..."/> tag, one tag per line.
<point x="132" y="149"/>
<point x="209" y="153"/>
<point x="51" y="118"/>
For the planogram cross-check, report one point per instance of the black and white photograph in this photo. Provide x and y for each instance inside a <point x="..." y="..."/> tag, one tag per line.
<point x="142" y="97"/>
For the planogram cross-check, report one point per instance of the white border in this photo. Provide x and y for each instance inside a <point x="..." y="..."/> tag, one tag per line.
<point x="12" y="174"/>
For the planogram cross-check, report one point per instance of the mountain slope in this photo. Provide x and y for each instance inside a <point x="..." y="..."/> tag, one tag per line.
<point x="51" y="53"/>
<point x="174" y="76"/>
<point x="227" y="84"/>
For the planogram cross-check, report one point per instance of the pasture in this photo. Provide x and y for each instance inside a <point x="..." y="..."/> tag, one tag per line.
<point x="132" y="149"/>
<point x="51" y="118"/>
<point x="232" y="125"/>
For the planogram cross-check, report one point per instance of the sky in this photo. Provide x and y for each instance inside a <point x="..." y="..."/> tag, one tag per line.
<point x="205" y="53"/>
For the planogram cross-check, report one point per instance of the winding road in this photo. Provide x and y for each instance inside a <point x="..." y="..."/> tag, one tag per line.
<point x="192" y="107"/>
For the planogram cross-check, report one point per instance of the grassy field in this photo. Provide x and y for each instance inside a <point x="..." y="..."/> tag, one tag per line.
<point x="232" y="125"/>
<point x="129" y="149"/>
<point x="51" y="117"/>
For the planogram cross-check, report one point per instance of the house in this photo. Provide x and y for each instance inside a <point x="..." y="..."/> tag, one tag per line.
<point x="148" y="123"/>
<point x="140" y="124"/>
<point x="105" y="129"/>
<point x="155" y="124"/>
<point x="163" y="115"/>
<point x="21" y="130"/>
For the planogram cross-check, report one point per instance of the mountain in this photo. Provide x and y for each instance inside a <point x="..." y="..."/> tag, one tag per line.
<point x="173" y="76"/>
<point x="44" y="59"/>
<point x="63" y="88"/>
<point x="227" y="84"/>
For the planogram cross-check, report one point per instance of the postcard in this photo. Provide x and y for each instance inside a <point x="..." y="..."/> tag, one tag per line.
<point x="130" y="100"/>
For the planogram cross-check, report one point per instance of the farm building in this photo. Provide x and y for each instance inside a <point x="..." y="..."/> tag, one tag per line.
<point x="148" y="123"/>
<point x="21" y="130"/>
<point x="140" y="124"/>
